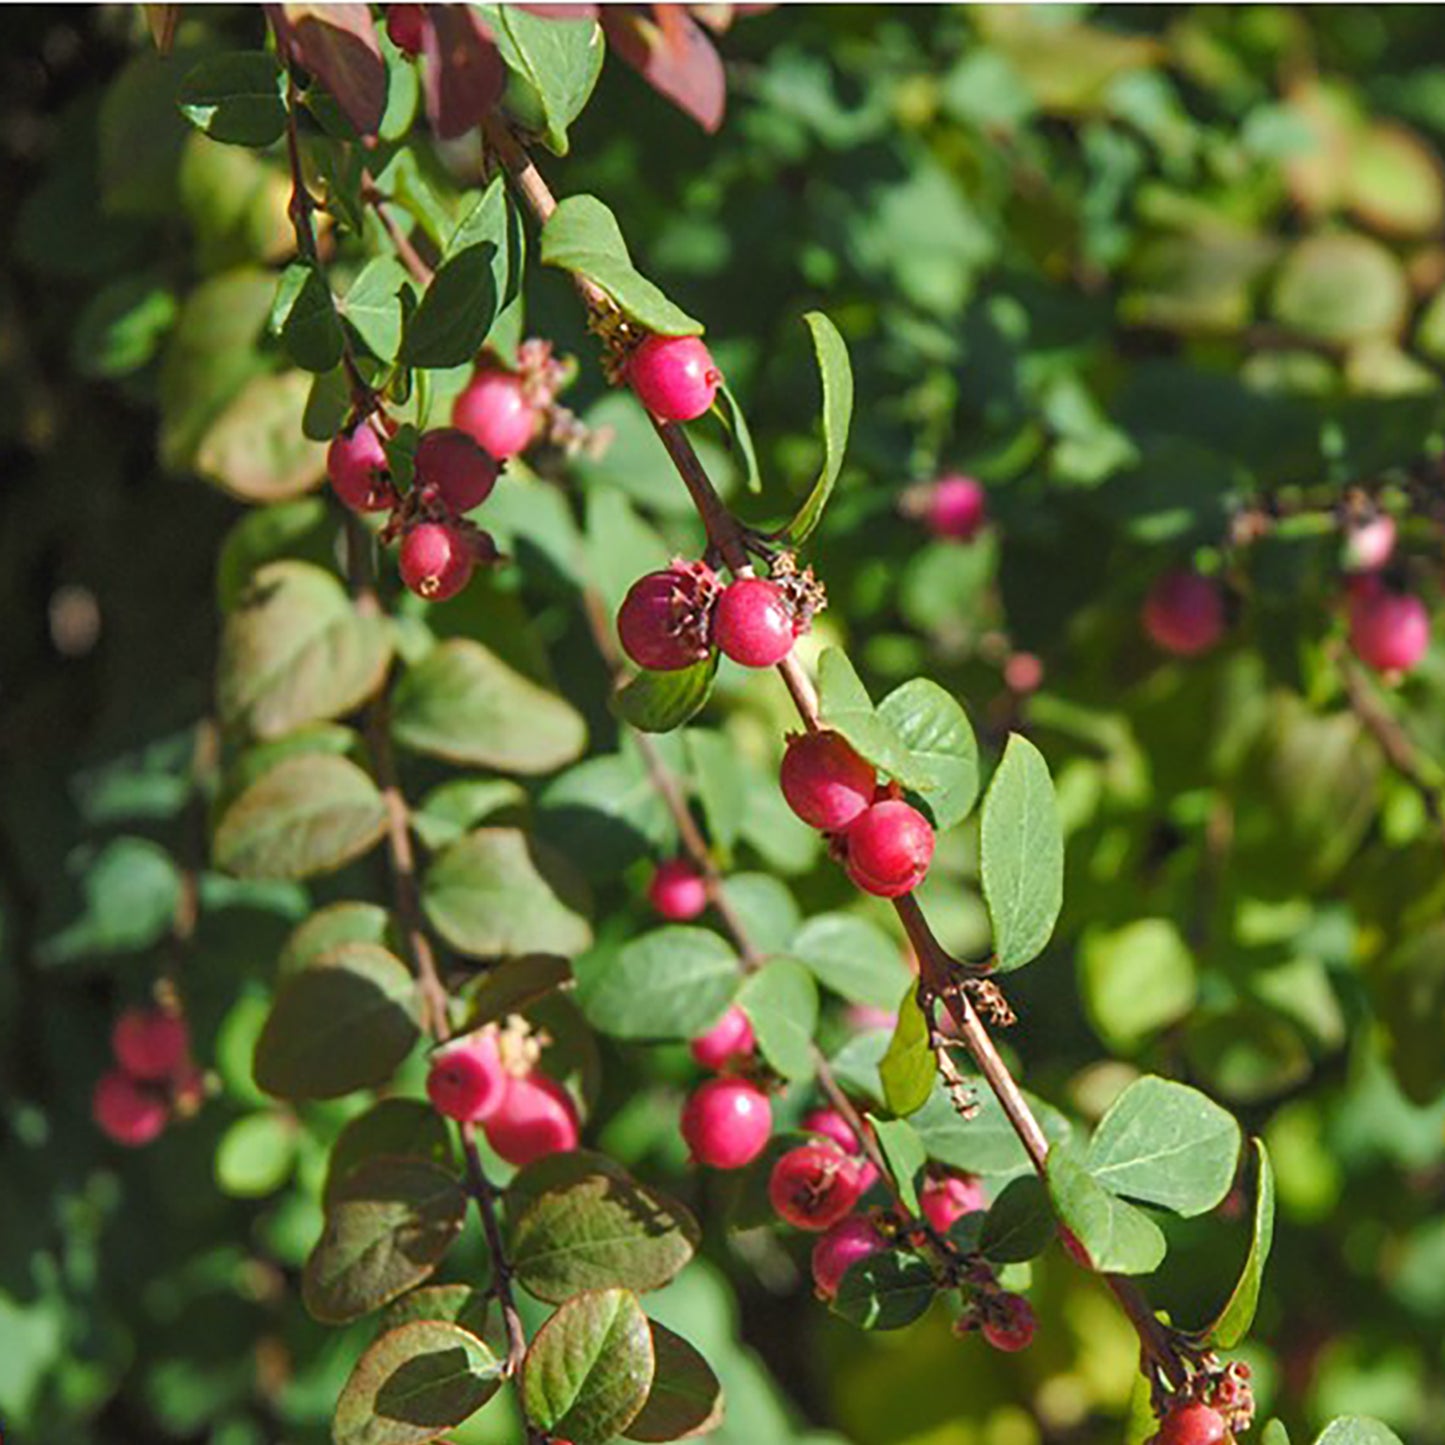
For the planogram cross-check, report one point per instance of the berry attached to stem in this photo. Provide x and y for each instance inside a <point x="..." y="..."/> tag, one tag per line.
<point x="889" y="849"/>
<point x="832" y="1125"/>
<point x="727" y="1122"/>
<point x="815" y="1185"/>
<point x="945" y="1201"/>
<point x="729" y="1039"/>
<point x="674" y="377"/>
<point x="1191" y="1423"/>
<point x="360" y="473"/>
<point x="825" y="782"/>
<point x="463" y="474"/>
<point x="754" y="624"/>
<point x="436" y="560"/>
<point x="678" y="892"/>
<point x="535" y="1117"/>
<point x="494" y="410"/>
<point x="467" y="1080"/>
<point x="1008" y="1322"/>
<point x="665" y="621"/>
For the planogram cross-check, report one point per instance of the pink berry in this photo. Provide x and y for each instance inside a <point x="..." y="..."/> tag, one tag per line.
<point x="665" y="621"/>
<point x="674" y="377"/>
<point x="1389" y="631"/>
<point x="406" y="24"/>
<point x="727" y="1122"/>
<point x="957" y="508"/>
<point x="841" y="1247"/>
<point x="814" y="1185"/>
<point x="825" y="782"/>
<point x="126" y="1111"/>
<point x="150" y="1044"/>
<point x="466" y="1080"/>
<point x="1023" y="673"/>
<point x="494" y="410"/>
<point x="832" y="1125"/>
<point x="754" y="624"/>
<point x="678" y="891"/>
<point x="359" y="470"/>
<point x="1192" y="1423"/>
<point x="449" y="460"/>
<point x="729" y="1039"/>
<point x="535" y="1117"/>
<point x="1370" y="545"/>
<point x="1184" y="613"/>
<point x="1008" y="1323"/>
<point x="889" y="849"/>
<point x="436" y="561"/>
<point x="945" y="1201"/>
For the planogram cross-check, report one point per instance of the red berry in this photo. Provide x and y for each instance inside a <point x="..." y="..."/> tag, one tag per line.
<point x="406" y="24"/>
<point x="754" y="623"/>
<point x="841" y="1247"/>
<point x="436" y="560"/>
<point x="815" y="1185"/>
<point x="449" y="460"/>
<point x="1389" y="631"/>
<point x="889" y="849"/>
<point x="1192" y="1423"/>
<point x="678" y="891"/>
<point x="825" y="782"/>
<point x="726" y="1123"/>
<point x="1184" y="613"/>
<point x="535" y="1117"/>
<point x="673" y="376"/>
<point x="730" y="1038"/>
<point x="126" y="1111"/>
<point x="1023" y="673"/>
<point x="1370" y="545"/>
<point x="956" y="508"/>
<point x="1008" y="1322"/>
<point x="466" y="1080"/>
<point x="360" y="474"/>
<point x="495" y="412"/>
<point x="945" y="1201"/>
<point x="665" y="619"/>
<point x="150" y="1043"/>
<point x="832" y="1125"/>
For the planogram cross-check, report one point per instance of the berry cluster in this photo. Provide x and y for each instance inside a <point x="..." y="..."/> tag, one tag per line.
<point x="155" y="1078"/>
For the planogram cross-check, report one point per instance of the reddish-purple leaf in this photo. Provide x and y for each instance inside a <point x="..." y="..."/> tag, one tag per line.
<point x="464" y="73"/>
<point x="338" y="45"/>
<point x="673" y="54"/>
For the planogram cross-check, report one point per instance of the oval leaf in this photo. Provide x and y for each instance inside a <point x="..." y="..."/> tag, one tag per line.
<point x="908" y="1068"/>
<point x="685" y="1399"/>
<point x="844" y="706"/>
<point x="1357" y="1430"/>
<point x="408" y="1128"/>
<point x="560" y="59"/>
<point x="660" y="702"/>
<point x="944" y="753"/>
<point x="852" y="957"/>
<point x="671" y="983"/>
<point x="781" y="1001"/>
<point x="236" y="98"/>
<point x="837" y="374"/>
<point x="1020" y="1222"/>
<point x="885" y="1291"/>
<point x="1119" y="1238"/>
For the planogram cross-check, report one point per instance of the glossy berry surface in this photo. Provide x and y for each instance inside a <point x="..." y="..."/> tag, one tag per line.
<point x="494" y="411"/>
<point x="729" y="1039"/>
<point x="674" y="377"/>
<point x="814" y="1185"/>
<point x="126" y="1111"/>
<point x="1184" y="613"/>
<point x="406" y="25"/>
<point x="466" y="1080"/>
<point x="889" y="849"/>
<point x="678" y="892"/>
<point x="957" y="508"/>
<point x="1389" y="631"/>
<point x="825" y="782"/>
<point x="436" y="561"/>
<point x="945" y="1201"/>
<point x="1193" y="1423"/>
<point x="1009" y="1323"/>
<point x="727" y="1123"/>
<point x="449" y="460"/>
<point x="150" y="1043"/>
<point x="535" y="1117"/>
<point x="754" y="623"/>
<point x="665" y="619"/>
<point x="839" y="1248"/>
<point x="359" y="471"/>
<point x="832" y="1125"/>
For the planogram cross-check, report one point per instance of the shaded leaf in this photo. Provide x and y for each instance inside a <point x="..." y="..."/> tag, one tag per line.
<point x="337" y="43"/>
<point x="513" y="985"/>
<point x="406" y="1128"/>
<point x="257" y="448"/>
<point x="330" y="927"/>
<point x="685" y="1399"/>
<point x="673" y="54"/>
<point x="905" y="1154"/>
<point x="1020" y="1222"/>
<point x="885" y="1291"/>
<point x="1357" y="1430"/>
<point x="463" y="76"/>
<point x="236" y="97"/>
<point x="304" y="316"/>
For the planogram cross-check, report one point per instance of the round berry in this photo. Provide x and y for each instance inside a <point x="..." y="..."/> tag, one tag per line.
<point x="1023" y="673"/>
<point x="674" y="377"/>
<point x="678" y="891"/>
<point x="1389" y="631"/>
<point x="889" y="849"/>
<point x="359" y="470"/>
<point x="126" y="1111"/>
<point x="150" y="1044"/>
<point x="956" y="509"/>
<point x="535" y="1117"/>
<point x="945" y="1201"/>
<point x="665" y="620"/>
<point x="754" y="623"/>
<point x="832" y="1125"/>
<point x="726" y="1123"/>
<point x="436" y="560"/>
<point x="1370" y="545"/>
<point x="825" y="782"/>
<point x="839" y="1248"/>
<point x="1192" y="1423"/>
<point x="1184" y="613"/>
<point x="495" y="412"/>
<point x="406" y="25"/>
<point x="466" y="1080"/>
<point x="1008" y="1323"/>
<point x="449" y="460"/>
<point x="729" y="1039"/>
<point x="814" y="1185"/>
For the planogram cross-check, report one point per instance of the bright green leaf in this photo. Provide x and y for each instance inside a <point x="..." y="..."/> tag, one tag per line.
<point x="1232" y="1323"/>
<point x="837" y="375"/>
<point x="853" y="957"/>
<point x="908" y="1068"/>
<point x="559" y="59"/>
<point x="1119" y="1238"/>
<point x="781" y="1002"/>
<point x="671" y="983"/>
<point x="944" y="754"/>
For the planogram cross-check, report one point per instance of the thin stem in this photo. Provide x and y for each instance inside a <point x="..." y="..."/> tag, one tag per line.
<point x="410" y="257"/>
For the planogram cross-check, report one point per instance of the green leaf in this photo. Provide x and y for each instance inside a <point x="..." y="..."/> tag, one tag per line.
<point x="304" y="317"/>
<point x="295" y="650"/>
<point x="1356" y="1430"/>
<point x="583" y="236"/>
<point x="1341" y="288"/>
<point x="1167" y="1144"/>
<point x="1274" y="1433"/>
<point x="1020" y="1222"/>
<point x="398" y="1127"/>
<point x="387" y="1228"/>
<point x="908" y="1068"/>
<point x="906" y="1157"/>
<point x="237" y="97"/>
<point x="659" y="702"/>
<point x="415" y="1383"/>
<point x="944" y="754"/>
<point x="463" y="703"/>
<point x="885" y="1291"/>
<point x="852" y="957"/>
<point x="514" y="985"/>
<point x="1022" y="850"/>
<point x="837" y="375"/>
<point x="495" y="222"/>
<point x="559" y="59"/>
<point x="1119" y="1238"/>
<point x="452" y="809"/>
<point x="257" y="450"/>
<point x="845" y="707"/>
<point x="129" y="889"/>
<point x="781" y="1002"/>
<point x="986" y="1142"/>
<point x="309" y="814"/>
<point x="1135" y="980"/>
<point x="579" y="1222"/>
<point x="329" y="927"/>
<point x="255" y="1155"/>
<point x="454" y="1304"/>
<point x="373" y="307"/>
<point x="122" y="326"/>
<point x="736" y="421"/>
<point x="498" y="892"/>
<point x="1232" y="1323"/>
<point x="589" y="1370"/>
<point x="671" y="983"/>
<point x="685" y="1398"/>
<point x="344" y="1022"/>
<point x="765" y="908"/>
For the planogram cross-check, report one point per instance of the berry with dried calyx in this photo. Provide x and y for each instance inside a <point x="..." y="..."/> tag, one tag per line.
<point x="665" y="621"/>
<point x="1008" y="1322"/>
<point x="535" y="1117"/>
<point x="839" y="1248"/>
<point x="1184" y="613"/>
<point x="360" y="473"/>
<point x="889" y="849"/>
<point x="150" y="1043"/>
<point x="1191" y="1423"/>
<point x="436" y="560"/>
<point x="727" y="1123"/>
<point x="678" y="891"/>
<point x="674" y="377"/>
<point x="495" y="411"/>
<point x="825" y="782"/>
<point x="467" y="1080"/>
<point x="754" y="624"/>
<point x="730" y="1039"/>
<point x="126" y="1110"/>
<point x="462" y="473"/>
<point x="815" y="1185"/>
